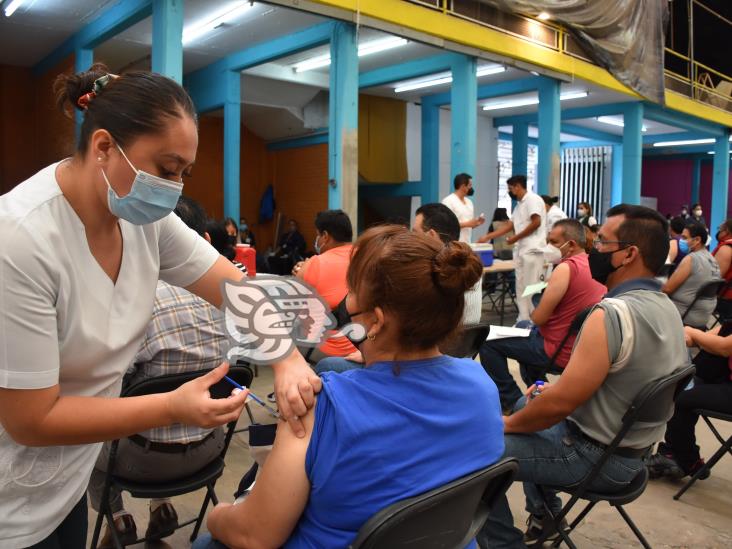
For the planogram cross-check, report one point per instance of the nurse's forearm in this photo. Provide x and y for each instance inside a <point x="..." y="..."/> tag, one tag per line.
<point x="41" y="418"/>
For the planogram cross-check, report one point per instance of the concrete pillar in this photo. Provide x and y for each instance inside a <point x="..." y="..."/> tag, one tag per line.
<point x="550" y="122"/>
<point x="83" y="59"/>
<point x="632" y="153"/>
<point x="343" y="120"/>
<point x="430" y="152"/>
<point x="167" y="43"/>
<point x="720" y="183"/>
<point x="464" y="117"/>
<point x="232" y="144"/>
<point x="520" y="149"/>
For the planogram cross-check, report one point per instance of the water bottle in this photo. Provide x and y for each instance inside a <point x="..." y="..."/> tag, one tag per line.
<point x="536" y="392"/>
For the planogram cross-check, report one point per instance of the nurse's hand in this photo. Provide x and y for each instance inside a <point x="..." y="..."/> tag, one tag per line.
<point x="191" y="403"/>
<point x="295" y="386"/>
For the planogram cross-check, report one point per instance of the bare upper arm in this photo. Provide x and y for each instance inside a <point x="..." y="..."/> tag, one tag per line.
<point x="588" y="366"/>
<point x="553" y="294"/>
<point x="679" y="276"/>
<point x="208" y="287"/>
<point x="673" y="250"/>
<point x="278" y="499"/>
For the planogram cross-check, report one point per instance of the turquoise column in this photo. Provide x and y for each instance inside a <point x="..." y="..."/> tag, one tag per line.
<point x="520" y="149"/>
<point x="616" y="174"/>
<point x="232" y="143"/>
<point x="720" y="183"/>
<point x="343" y="120"/>
<point x="167" y="44"/>
<point x="464" y="116"/>
<point x="83" y="59"/>
<point x="695" y="181"/>
<point x="632" y="153"/>
<point x="550" y="122"/>
<point x="430" y="151"/>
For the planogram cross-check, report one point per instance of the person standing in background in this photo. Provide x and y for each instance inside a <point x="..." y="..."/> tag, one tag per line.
<point x="528" y="222"/>
<point x="553" y="212"/>
<point x="584" y="214"/>
<point x="697" y="215"/>
<point x="462" y="206"/>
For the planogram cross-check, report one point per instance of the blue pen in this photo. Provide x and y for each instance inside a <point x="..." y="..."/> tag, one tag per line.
<point x="255" y="398"/>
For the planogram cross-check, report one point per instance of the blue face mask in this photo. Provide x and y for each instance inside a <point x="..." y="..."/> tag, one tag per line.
<point x="150" y="199"/>
<point x="683" y="246"/>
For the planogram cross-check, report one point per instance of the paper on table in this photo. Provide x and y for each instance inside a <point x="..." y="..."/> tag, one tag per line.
<point x="502" y="332"/>
<point x="532" y="289"/>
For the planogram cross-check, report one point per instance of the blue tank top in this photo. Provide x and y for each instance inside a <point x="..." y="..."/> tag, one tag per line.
<point x="380" y="437"/>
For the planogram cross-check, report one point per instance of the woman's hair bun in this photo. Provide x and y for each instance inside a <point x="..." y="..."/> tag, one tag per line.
<point x="68" y="88"/>
<point x="456" y="268"/>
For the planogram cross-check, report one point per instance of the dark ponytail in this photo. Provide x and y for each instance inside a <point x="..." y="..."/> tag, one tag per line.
<point x="133" y="104"/>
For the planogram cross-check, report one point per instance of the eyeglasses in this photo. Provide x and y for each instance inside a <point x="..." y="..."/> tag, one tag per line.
<point x="622" y="244"/>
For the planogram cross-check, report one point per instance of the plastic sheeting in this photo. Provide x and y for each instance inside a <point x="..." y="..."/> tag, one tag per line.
<point x="624" y="36"/>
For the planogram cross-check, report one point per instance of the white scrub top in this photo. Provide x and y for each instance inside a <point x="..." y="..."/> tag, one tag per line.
<point x="464" y="211"/>
<point x="63" y="321"/>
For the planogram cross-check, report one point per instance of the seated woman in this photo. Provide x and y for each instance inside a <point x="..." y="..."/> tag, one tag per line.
<point x="695" y="270"/>
<point x="678" y="455"/>
<point x="410" y="421"/>
<point x="723" y="254"/>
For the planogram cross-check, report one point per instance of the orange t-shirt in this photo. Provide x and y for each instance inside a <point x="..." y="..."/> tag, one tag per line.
<point x="327" y="274"/>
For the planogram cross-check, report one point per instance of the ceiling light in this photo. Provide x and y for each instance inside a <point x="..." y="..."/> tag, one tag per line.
<point x="194" y="32"/>
<point x="683" y="142"/>
<point x="544" y="16"/>
<point x="368" y="48"/>
<point x="525" y="101"/>
<point x="444" y="78"/>
<point x="615" y="122"/>
<point x="12" y="6"/>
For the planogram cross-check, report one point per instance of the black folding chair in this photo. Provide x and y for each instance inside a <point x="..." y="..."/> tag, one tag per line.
<point x="206" y="477"/>
<point x="708" y="290"/>
<point x="466" y="344"/>
<point x="447" y="517"/>
<point x="652" y="405"/>
<point x="726" y="446"/>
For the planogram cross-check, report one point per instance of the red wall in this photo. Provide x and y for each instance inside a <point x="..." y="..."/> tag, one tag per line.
<point x="669" y="180"/>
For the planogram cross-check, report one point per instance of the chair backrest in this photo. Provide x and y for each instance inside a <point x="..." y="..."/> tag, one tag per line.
<point x="466" y="344"/>
<point x="651" y="405"/>
<point x="708" y="290"/>
<point x="447" y="517"/>
<point x="163" y="384"/>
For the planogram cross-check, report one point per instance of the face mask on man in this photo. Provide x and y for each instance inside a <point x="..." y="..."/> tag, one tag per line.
<point x="697" y="213"/>
<point x="683" y="246"/>
<point x="581" y="212"/>
<point x="553" y="254"/>
<point x="150" y="199"/>
<point x="471" y="191"/>
<point x="601" y="266"/>
<point x="512" y="195"/>
<point x="316" y="245"/>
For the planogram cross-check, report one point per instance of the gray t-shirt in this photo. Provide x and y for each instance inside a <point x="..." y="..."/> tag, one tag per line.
<point x="704" y="268"/>
<point x="646" y="342"/>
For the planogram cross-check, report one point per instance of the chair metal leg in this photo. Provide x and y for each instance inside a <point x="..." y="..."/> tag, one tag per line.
<point x="97" y="530"/>
<point x="707" y="466"/>
<point x="633" y="527"/>
<point x="201" y="514"/>
<point x="582" y="515"/>
<point x="112" y="530"/>
<point x="249" y="413"/>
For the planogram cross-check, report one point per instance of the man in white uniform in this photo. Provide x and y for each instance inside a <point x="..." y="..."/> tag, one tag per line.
<point x="462" y="206"/>
<point x="529" y="223"/>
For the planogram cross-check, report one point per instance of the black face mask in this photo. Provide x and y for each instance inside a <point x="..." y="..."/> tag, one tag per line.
<point x="343" y="318"/>
<point x="718" y="236"/>
<point x="232" y="239"/>
<point x="601" y="266"/>
<point x="471" y="191"/>
<point x="512" y="196"/>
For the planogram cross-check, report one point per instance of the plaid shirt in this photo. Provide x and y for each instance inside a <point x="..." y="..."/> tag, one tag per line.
<point x="185" y="334"/>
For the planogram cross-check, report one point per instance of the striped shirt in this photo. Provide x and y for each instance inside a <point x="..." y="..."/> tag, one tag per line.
<point x="185" y="334"/>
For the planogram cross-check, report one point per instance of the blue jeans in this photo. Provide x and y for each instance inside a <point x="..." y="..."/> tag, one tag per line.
<point x="335" y="364"/>
<point x="555" y="457"/>
<point x="528" y="351"/>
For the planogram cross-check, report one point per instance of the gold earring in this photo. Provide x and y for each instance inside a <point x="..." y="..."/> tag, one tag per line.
<point x="370" y="337"/>
<point x="99" y="159"/>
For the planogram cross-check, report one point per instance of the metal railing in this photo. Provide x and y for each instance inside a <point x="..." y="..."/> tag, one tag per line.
<point x="695" y="80"/>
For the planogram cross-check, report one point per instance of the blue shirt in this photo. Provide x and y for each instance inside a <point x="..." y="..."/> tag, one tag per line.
<point x="380" y="437"/>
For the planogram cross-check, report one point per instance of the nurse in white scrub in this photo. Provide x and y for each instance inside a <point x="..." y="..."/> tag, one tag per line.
<point x="84" y="242"/>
